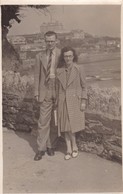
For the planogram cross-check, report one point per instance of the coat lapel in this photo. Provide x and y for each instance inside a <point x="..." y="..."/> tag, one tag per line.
<point x="44" y="60"/>
<point x="73" y="74"/>
<point x="61" y="75"/>
<point x="57" y="57"/>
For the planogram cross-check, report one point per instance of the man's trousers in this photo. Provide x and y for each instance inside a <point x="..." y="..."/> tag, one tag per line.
<point x="46" y="134"/>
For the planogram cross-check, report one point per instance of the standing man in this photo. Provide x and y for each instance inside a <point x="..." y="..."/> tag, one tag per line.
<point x="45" y="92"/>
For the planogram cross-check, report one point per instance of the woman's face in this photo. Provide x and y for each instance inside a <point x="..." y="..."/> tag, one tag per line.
<point x="68" y="57"/>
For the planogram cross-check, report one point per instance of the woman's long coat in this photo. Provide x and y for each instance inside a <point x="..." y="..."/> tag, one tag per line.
<point x="74" y="91"/>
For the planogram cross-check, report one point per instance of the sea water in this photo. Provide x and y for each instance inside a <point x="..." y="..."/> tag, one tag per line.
<point x="104" y="73"/>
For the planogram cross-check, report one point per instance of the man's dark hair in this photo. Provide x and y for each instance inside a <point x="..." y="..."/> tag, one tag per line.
<point x="50" y="33"/>
<point x="64" y="50"/>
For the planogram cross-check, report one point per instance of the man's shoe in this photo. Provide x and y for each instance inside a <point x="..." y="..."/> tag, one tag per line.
<point x="39" y="155"/>
<point x="50" y="151"/>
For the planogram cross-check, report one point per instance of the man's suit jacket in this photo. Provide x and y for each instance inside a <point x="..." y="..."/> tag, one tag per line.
<point x="40" y="74"/>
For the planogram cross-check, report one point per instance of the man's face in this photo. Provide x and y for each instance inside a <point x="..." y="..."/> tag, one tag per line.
<point x="50" y="42"/>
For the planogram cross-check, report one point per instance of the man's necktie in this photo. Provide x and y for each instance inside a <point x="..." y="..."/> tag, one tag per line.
<point x="48" y="67"/>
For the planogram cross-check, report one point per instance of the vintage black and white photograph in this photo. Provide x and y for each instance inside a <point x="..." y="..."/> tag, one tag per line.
<point x="61" y="98"/>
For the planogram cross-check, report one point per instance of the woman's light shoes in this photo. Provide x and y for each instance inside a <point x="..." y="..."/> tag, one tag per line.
<point x="67" y="156"/>
<point x="74" y="154"/>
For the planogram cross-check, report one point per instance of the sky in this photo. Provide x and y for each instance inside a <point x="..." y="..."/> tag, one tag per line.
<point x="100" y="20"/>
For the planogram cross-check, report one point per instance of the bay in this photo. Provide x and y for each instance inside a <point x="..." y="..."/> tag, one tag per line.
<point x="103" y="73"/>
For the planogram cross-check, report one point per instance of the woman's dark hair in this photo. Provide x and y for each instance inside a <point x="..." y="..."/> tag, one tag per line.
<point x="61" y="58"/>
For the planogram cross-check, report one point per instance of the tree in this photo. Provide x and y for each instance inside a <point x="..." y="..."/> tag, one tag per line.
<point x="11" y="12"/>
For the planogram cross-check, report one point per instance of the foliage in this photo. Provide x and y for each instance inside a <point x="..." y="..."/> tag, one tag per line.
<point x="104" y="101"/>
<point x="16" y="84"/>
<point x="10" y="12"/>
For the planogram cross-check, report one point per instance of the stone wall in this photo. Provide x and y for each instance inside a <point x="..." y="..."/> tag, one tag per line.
<point x="102" y="134"/>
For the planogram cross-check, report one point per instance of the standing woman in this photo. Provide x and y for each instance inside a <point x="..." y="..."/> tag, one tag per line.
<point x="71" y="95"/>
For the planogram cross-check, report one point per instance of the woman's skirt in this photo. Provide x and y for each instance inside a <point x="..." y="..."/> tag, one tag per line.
<point x="64" y="122"/>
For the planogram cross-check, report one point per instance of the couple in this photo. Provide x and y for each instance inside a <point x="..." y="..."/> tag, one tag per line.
<point x="59" y="79"/>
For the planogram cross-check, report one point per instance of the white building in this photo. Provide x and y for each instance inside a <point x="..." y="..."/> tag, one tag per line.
<point x="78" y="34"/>
<point x="25" y="47"/>
<point x="51" y="26"/>
<point x="18" y="40"/>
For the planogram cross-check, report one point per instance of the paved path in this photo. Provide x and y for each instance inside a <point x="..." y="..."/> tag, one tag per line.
<point x="86" y="173"/>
